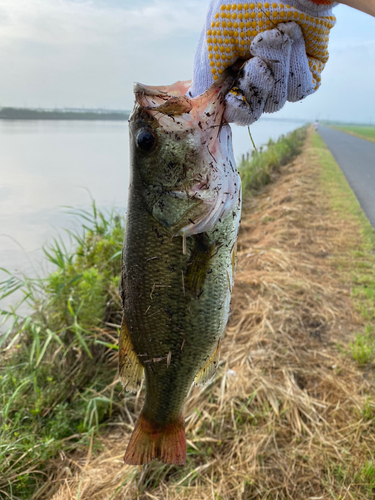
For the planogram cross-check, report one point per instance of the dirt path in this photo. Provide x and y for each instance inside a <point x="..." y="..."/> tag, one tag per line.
<point x="285" y="417"/>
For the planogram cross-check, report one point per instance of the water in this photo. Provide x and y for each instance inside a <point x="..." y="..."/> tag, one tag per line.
<point x="45" y="166"/>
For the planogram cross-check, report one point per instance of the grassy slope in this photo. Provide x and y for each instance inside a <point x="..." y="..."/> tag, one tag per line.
<point x="270" y="425"/>
<point x="58" y="369"/>
<point x="257" y="172"/>
<point x="359" y="263"/>
<point x="57" y="364"/>
<point x="289" y="415"/>
<point x="359" y="131"/>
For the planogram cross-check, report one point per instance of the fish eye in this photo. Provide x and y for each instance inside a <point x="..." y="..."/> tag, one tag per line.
<point x="146" y="140"/>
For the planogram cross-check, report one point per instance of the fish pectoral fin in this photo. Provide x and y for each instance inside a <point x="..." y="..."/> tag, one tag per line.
<point x="130" y="368"/>
<point x="206" y="373"/>
<point x="198" y="267"/>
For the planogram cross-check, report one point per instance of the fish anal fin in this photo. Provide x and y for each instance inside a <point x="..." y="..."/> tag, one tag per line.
<point x="130" y="368"/>
<point x="149" y="440"/>
<point x="206" y="373"/>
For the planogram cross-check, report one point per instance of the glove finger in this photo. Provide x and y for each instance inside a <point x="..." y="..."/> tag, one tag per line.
<point x="292" y="29"/>
<point x="245" y="103"/>
<point x="274" y="48"/>
<point x="300" y="81"/>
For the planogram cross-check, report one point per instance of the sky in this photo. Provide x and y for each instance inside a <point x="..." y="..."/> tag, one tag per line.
<point x="88" y="53"/>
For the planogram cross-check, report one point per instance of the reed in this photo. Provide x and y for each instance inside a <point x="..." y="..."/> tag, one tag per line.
<point x="257" y="171"/>
<point x="57" y="362"/>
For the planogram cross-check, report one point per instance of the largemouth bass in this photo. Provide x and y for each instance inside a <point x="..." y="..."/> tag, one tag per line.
<point x="178" y="259"/>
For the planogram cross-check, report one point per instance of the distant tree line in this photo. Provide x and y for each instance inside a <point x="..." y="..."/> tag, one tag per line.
<point x="33" y="114"/>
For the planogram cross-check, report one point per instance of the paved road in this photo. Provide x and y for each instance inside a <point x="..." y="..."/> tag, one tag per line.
<point x="356" y="158"/>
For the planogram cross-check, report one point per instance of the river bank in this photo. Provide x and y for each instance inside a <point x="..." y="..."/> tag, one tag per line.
<point x="57" y="114"/>
<point x="289" y="397"/>
<point x="57" y="371"/>
<point x="294" y="389"/>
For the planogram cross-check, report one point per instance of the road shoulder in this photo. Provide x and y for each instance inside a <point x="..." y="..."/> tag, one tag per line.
<point x="356" y="261"/>
<point x="367" y="133"/>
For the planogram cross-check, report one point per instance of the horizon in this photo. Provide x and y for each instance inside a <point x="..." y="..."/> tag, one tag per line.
<point x="102" y="110"/>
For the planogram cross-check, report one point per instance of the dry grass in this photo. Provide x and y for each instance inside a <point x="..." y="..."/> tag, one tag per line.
<point x="288" y="415"/>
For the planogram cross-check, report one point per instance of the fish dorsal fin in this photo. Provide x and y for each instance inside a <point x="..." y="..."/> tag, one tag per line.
<point x="206" y="373"/>
<point x="130" y="369"/>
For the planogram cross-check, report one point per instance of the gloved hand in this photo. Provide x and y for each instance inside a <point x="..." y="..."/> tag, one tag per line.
<point x="285" y="45"/>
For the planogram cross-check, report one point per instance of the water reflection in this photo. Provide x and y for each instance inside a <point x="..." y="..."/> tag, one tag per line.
<point x="47" y="165"/>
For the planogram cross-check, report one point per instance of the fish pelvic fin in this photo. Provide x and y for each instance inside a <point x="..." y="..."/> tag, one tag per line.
<point x="130" y="368"/>
<point x="150" y="440"/>
<point x="206" y="373"/>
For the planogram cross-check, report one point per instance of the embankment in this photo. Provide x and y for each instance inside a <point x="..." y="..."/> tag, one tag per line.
<point x="290" y="413"/>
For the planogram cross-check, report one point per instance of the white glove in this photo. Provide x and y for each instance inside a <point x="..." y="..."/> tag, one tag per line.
<point x="286" y="45"/>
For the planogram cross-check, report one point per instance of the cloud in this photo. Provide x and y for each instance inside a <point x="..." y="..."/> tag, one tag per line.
<point x="59" y="21"/>
<point x="73" y="53"/>
<point x="89" y="52"/>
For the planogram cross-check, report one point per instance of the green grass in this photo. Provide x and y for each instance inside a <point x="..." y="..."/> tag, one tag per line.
<point x="360" y="266"/>
<point x="58" y="368"/>
<point x="257" y="172"/>
<point x="57" y="364"/>
<point x="366" y="477"/>
<point x="358" y="130"/>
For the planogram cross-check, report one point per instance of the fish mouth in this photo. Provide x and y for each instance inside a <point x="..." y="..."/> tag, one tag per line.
<point x="178" y="89"/>
<point x="172" y="100"/>
<point x="169" y="100"/>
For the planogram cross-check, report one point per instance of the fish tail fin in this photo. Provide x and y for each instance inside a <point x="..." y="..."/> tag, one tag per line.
<point x="151" y="440"/>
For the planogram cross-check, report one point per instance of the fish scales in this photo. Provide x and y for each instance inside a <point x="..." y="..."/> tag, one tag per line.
<point x="179" y="308"/>
<point x="178" y="259"/>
